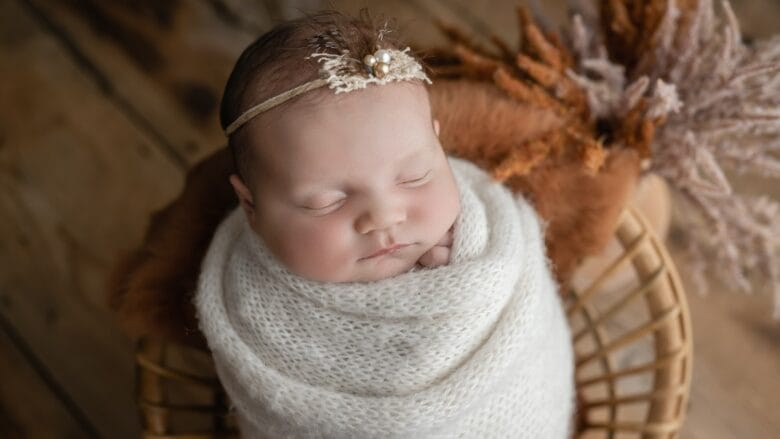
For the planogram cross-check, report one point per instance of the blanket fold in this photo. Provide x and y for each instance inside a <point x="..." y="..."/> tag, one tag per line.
<point x="479" y="348"/>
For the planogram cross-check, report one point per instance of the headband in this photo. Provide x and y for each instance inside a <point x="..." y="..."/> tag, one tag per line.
<point x="343" y="73"/>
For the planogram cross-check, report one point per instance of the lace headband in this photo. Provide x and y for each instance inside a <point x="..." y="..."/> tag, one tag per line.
<point x="343" y="73"/>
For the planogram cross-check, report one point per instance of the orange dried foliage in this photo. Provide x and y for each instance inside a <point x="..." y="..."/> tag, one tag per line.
<point x="476" y="65"/>
<point x="629" y="26"/>
<point x="535" y="43"/>
<point x="527" y="92"/>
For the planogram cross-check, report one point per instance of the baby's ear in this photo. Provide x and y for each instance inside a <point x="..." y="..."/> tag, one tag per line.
<point x="436" y="126"/>
<point x="244" y="195"/>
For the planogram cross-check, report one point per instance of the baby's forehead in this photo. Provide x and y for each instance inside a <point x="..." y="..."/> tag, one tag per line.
<point x="327" y="127"/>
<point x="337" y="159"/>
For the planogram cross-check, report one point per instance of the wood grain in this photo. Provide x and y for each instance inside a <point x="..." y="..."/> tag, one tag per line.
<point x="77" y="182"/>
<point x="165" y="63"/>
<point x="26" y="398"/>
<point x="736" y="374"/>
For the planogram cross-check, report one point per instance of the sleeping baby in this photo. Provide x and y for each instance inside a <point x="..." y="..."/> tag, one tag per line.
<point x="369" y="285"/>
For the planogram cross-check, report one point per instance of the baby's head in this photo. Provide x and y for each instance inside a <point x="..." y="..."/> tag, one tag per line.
<point x="325" y="179"/>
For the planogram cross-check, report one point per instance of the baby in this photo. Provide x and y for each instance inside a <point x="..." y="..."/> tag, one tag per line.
<point x="369" y="285"/>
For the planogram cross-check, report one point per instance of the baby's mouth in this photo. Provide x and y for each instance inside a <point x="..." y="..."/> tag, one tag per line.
<point x="387" y="250"/>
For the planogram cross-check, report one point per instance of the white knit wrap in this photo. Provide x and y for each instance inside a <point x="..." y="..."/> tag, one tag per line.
<point x="479" y="348"/>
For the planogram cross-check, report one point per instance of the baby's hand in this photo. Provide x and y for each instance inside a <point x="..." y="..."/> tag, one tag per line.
<point x="439" y="254"/>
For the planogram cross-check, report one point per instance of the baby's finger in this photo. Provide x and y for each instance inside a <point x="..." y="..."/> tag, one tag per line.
<point x="446" y="240"/>
<point x="435" y="257"/>
<point x="426" y="259"/>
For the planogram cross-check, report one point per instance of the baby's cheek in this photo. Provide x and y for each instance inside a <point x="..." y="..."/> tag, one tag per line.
<point x="438" y="210"/>
<point x="318" y="252"/>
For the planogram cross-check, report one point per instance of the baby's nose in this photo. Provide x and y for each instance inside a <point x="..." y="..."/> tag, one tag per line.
<point x="380" y="215"/>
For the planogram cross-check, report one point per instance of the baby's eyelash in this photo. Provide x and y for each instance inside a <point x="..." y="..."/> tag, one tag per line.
<point x="331" y="205"/>
<point x="418" y="179"/>
<point x="324" y="207"/>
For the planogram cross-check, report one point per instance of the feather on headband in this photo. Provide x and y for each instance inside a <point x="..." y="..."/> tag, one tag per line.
<point x="344" y="73"/>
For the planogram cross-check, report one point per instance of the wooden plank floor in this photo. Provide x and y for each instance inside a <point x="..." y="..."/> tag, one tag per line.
<point x="103" y="107"/>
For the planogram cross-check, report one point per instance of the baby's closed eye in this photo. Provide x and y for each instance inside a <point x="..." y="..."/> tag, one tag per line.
<point x="324" y="205"/>
<point x="418" y="179"/>
<point x="328" y="206"/>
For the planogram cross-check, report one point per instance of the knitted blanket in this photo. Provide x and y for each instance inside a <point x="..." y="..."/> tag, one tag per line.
<point x="479" y="348"/>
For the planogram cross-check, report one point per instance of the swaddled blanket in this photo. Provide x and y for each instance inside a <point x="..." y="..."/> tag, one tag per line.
<point x="479" y="348"/>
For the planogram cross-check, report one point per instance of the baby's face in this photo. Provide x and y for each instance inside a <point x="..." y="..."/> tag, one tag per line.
<point x="348" y="176"/>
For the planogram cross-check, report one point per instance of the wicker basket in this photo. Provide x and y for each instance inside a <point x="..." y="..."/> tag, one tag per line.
<point x="632" y="345"/>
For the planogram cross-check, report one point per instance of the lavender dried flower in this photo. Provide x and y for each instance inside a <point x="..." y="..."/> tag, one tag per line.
<point x="720" y="100"/>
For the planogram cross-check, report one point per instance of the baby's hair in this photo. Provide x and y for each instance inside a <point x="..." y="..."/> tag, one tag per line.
<point x="277" y="61"/>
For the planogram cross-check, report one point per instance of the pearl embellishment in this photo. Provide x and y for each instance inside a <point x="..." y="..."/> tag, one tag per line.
<point x="382" y="56"/>
<point x="378" y="63"/>
<point x="369" y="60"/>
<point x="381" y="69"/>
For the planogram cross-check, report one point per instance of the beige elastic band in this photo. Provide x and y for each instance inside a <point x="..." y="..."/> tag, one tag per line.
<point x="272" y="102"/>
